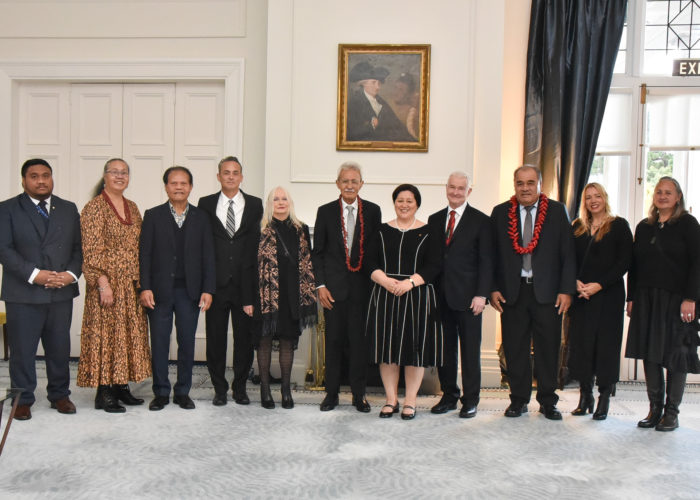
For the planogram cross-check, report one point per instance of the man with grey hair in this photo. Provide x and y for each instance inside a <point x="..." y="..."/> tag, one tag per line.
<point x="463" y="285"/>
<point x="342" y="232"/>
<point x="535" y="276"/>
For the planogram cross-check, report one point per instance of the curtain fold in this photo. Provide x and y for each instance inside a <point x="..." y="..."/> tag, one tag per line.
<point x="571" y="54"/>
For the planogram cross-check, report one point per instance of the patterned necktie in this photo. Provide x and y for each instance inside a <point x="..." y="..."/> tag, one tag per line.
<point x="527" y="236"/>
<point x="230" y="220"/>
<point x="43" y="212"/>
<point x="450" y="227"/>
<point x="351" y="225"/>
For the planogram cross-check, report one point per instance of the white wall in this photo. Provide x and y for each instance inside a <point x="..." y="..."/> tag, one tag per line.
<point x="478" y="51"/>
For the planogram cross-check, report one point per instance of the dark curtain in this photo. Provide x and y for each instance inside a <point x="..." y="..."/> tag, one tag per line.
<point x="570" y="58"/>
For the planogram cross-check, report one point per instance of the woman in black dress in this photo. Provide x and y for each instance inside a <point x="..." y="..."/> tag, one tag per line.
<point x="662" y="291"/>
<point x="403" y="321"/>
<point x="287" y="290"/>
<point x="603" y="253"/>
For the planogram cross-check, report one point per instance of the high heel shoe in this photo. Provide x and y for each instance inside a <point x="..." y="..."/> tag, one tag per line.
<point x="389" y="414"/>
<point x="585" y="402"/>
<point x="266" y="400"/>
<point x="123" y="394"/>
<point x="601" y="411"/>
<point x="287" y="401"/>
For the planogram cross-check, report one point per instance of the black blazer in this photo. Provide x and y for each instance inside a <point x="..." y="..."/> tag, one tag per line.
<point x="467" y="265"/>
<point x="553" y="260"/>
<point x="157" y="259"/>
<point x="27" y="244"/>
<point x="237" y="257"/>
<point x="328" y="253"/>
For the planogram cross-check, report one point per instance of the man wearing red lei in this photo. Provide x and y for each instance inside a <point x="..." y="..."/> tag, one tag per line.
<point x="341" y="233"/>
<point x="535" y="276"/>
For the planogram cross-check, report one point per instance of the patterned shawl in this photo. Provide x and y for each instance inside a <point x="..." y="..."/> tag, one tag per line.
<point x="268" y="276"/>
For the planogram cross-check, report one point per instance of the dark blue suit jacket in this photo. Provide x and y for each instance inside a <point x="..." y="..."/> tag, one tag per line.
<point x="157" y="259"/>
<point x="27" y="244"/>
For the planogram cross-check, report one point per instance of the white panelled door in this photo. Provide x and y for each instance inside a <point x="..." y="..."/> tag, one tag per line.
<point x="77" y="127"/>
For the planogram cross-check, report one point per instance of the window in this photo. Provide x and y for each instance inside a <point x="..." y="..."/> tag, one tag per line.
<point x="671" y="31"/>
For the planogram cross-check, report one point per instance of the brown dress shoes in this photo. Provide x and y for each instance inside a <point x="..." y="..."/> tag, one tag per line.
<point x="63" y="405"/>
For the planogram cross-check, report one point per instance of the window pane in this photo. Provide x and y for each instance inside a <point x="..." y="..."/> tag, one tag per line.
<point x="671" y="31"/>
<point x="657" y="12"/>
<point x="612" y="173"/>
<point x="615" y="131"/>
<point x="684" y="166"/>
<point x="673" y="120"/>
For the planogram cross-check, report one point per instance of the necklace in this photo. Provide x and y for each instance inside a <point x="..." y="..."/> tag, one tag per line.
<point x="513" y="230"/>
<point x="402" y="229"/>
<point x="350" y="267"/>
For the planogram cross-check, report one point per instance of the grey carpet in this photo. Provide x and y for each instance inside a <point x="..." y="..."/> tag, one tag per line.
<point x="249" y="452"/>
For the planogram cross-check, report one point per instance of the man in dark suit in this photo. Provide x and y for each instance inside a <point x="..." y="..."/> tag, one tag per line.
<point x="176" y="263"/>
<point x="41" y="256"/>
<point x="535" y="276"/>
<point x="463" y="286"/>
<point x="235" y="220"/>
<point x="341" y="234"/>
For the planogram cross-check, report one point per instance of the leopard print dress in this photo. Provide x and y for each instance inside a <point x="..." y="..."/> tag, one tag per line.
<point x="114" y="340"/>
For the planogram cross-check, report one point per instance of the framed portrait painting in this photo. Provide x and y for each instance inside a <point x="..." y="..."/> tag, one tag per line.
<point x="383" y="97"/>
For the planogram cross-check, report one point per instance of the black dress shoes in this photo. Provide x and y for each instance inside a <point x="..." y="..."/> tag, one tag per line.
<point x="220" y="400"/>
<point x="361" y="404"/>
<point x="444" y="405"/>
<point x="550" y="412"/>
<point x="158" y="403"/>
<point x="184" y="401"/>
<point x="241" y="398"/>
<point x="329" y="402"/>
<point x="266" y="400"/>
<point x="105" y="400"/>
<point x="516" y="409"/>
<point x="467" y="412"/>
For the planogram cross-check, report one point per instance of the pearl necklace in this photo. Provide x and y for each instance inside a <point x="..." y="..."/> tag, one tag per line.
<point x="408" y="228"/>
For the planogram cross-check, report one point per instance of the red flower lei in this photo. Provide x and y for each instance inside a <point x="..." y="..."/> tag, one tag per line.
<point x="514" y="231"/>
<point x="350" y="267"/>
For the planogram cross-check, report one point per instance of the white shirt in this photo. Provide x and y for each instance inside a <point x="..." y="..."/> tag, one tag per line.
<point x="48" y="211"/>
<point x="354" y="204"/>
<point x="374" y="103"/>
<point x="459" y="211"/>
<point x="523" y="214"/>
<point x="238" y="206"/>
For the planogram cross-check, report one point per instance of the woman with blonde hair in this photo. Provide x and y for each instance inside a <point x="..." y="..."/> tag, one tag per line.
<point x="603" y="245"/>
<point x="663" y="289"/>
<point x="287" y="290"/>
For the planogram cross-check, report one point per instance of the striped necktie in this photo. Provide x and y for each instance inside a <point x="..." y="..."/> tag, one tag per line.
<point x="230" y="220"/>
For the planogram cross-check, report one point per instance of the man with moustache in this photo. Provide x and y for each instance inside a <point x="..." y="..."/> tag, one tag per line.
<point x="464" y="284"/>
<point x="341" y="234"/>
<point x="235" y="223"/>
<point x="176" y="264"/>
<point x="41" y="257"/>
<point x="535" y="276"/>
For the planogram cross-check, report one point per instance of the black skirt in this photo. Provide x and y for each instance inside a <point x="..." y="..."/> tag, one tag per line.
<point x="657" y="334"/>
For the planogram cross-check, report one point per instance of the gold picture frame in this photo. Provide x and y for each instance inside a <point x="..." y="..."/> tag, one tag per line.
<point x="383" y="97"/>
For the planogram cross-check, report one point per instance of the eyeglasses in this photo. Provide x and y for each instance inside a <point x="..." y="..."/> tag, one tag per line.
<point x="118" y="173"/>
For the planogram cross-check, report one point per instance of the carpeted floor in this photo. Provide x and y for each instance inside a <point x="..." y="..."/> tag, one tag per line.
<point x="249" y="452"/>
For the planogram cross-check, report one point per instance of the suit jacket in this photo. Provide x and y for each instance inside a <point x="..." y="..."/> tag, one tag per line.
<point x="467" y="265"/>
<point x="157" y="253"/>
<point x="236" y="258"/>
<point x="360" y="114"/>
<point x="553" y="260"/>
<point x="27" y="244"/>
<point x="328" y="253"/>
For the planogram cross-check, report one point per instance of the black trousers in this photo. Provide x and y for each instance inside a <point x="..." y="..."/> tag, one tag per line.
<point x="217" y="338"/>
<point x="186" y="313"/>
<point x="465" y="328"/>
<point x="345" y="332"/>
<point x="527" y="322"/>
<point x="29" y="323"/>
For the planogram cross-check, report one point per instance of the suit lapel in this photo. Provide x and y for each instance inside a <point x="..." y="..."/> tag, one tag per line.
<point x="168" y="222"/>
<point x="37" y="220"/>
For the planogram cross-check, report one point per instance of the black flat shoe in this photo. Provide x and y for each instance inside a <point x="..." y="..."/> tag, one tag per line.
<point x="444" y="405"/>
<point x="158" y="403"/>
<point x="183" y="401"/>
<point x="550" y="412"/>
<point x="516" y="409"/>
<point x="329" y="402"/>
<point x="241" y="398"/>
<point x="123" y="394"/>
<point x="361" y="404"/>
<point x="467" y="412"/>
<point x="266" y="400"/>
<point x="653" y="418"/>
<point x="105" y="400"/>
<point x="408" y="416"/>
<point x="219" y="400"/>
<point x="287" y="401"/>
<point x="389" y="414"/>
